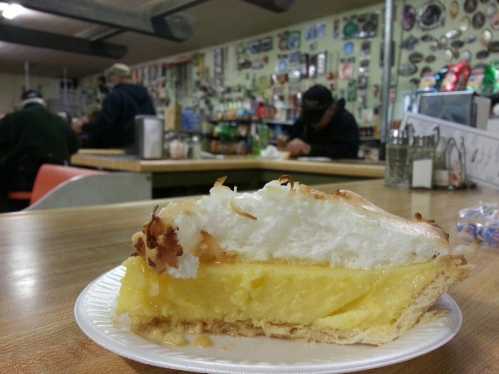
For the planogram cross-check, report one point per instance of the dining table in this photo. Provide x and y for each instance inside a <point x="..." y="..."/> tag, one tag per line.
<point x="48" y="257"/>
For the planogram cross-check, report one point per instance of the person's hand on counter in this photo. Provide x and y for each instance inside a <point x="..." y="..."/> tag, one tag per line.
<point x="298" y="147"/>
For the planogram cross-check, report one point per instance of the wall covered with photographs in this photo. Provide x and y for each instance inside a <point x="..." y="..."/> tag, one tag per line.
<point x="342" y="51"/>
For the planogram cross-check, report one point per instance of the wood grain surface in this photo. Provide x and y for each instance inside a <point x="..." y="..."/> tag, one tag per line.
<point x="48" y="257"/>
<point x="128" y="163"/>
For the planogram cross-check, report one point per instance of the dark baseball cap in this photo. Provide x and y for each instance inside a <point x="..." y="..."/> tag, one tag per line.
<point x="31" y="94"/>
<point x="317" y="98"/>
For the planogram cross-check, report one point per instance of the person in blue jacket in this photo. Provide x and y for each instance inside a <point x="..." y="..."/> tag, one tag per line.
<point x="325" y="128"/>
<point x="113" y="126"/>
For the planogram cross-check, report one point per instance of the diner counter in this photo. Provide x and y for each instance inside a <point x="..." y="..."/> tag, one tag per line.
<point x="351" y="168"/>
<point x="48" y="257"/>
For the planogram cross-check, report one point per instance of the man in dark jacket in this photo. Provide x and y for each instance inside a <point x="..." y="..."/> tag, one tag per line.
<point x="325" y="128"/>
<point x="114" y="124"/>
<point x="29" y="138"/>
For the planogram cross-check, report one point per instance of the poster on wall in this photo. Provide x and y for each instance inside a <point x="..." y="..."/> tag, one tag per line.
<point x="315" y="32"/>
<point x="289" y="40"/>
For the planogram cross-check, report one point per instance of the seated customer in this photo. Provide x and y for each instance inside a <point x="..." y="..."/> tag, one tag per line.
<point x="29" y="138"/>
<point x="113" y="126"/>
<point x="325" y="128"/>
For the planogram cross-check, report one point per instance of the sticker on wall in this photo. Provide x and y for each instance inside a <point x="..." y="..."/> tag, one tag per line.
<point x="406" y="70"/>
<point x="431" y="15"/>
<point x="348" y="48"/>
<point x="409" y="16"/>
<point x="478" y="20"/>
<point x="454" y="9"/>
<point x="416" y="57"/>
<point x="470" y="5"/>
<point x="483" y="54"/>
<point x="409" y="43"/>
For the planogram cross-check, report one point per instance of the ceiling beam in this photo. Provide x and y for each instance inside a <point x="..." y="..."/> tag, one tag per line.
<point x="164" y="8"/>
<point x="277" y="6"/>
<point x="92" y="11"/>
<point x="42" y="39"/>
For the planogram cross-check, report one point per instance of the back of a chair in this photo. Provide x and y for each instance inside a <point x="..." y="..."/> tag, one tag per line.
<point x="51" y="176"/>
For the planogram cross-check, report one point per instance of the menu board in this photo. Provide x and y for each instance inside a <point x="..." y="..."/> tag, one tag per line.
<point x="481" y="147"/>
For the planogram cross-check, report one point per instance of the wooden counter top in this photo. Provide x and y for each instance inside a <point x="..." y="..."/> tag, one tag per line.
<point x="101" y="152"/>
<point x="129" y="163"/>
<point x="48" y="257"/>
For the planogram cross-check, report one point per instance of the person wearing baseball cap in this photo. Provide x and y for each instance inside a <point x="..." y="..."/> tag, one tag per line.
<point x="325" y="128"/>
<point x="113" y="126"/>
<point x="30" y="137"/>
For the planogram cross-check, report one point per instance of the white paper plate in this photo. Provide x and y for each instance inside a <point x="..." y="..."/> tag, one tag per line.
<point x="94" y="310"/>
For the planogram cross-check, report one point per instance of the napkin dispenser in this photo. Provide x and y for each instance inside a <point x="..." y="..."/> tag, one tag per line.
<point x="149" y="134"/>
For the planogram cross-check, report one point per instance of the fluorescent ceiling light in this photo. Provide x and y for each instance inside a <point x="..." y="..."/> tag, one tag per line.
<point x="11" y="11"/>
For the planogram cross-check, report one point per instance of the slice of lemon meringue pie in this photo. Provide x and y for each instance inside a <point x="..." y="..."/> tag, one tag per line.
<point x="286" y="261"/>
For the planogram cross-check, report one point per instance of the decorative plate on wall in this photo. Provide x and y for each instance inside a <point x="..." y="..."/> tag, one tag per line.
<point x="408" y="17"/>
<point x="430" y="59"/>
<point x="409" y="43"/>
<point x="454" y="9"/>
<point x="431" y="15"/>
<point x="453" y="34"/>
<point x="470" y="5"/>
<point x="483" y="54"/>
<point x="491" y="9"/>
<point x="427" y="38"/>
<point x="471" y="39"/>
<point x="478" y="20"/>
<point x="456" y="44"/>
<point x="486" y="37"/>
<point x="415" y="58"/>
<point x="406" y="70"/>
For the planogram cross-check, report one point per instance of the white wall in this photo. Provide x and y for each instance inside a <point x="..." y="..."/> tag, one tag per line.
<point x="11" y="88"/>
